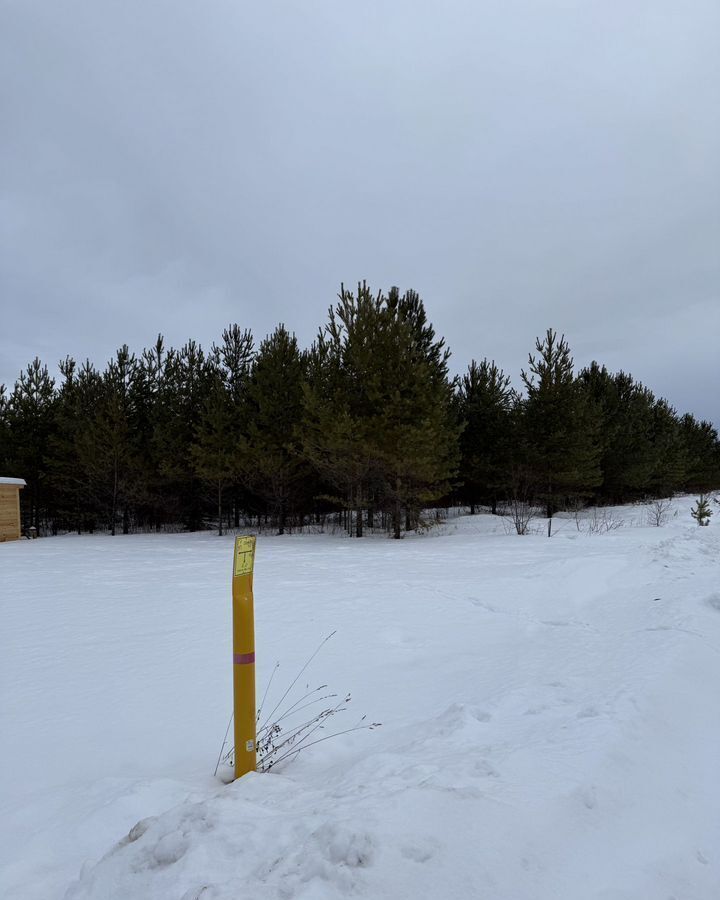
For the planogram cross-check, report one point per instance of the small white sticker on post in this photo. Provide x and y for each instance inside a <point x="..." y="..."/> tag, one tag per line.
<point x="250" y="746"/>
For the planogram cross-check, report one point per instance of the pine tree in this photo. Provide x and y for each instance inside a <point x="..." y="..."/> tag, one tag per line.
<point x="234" y="356"/>
<point x="151" y="414"/>
<point x="485" y="403"/>
<point x="4" y="430"/>
<point x="77" y="404"/>
<point x="701" y="512"/>
<point x="218" y="450"/>
<point x="275" y="469"/>
<point x="668" y="451"/>
<point x="625" y="434"/>
<point x="338" y="411"/>
<point x="187" y="379"/>
<point x="106" y="445"/>
<point x="30" y="416"/>
<point x="416" y="430"/>
<point x="561" y="426"/>
<point x="702" y="454"/>
<point x="381" y="426"/>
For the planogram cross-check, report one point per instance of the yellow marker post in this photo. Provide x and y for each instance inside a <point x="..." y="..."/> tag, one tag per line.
<point x="244" y="656"/>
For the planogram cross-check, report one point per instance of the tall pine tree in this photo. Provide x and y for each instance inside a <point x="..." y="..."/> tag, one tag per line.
<point x="30" y="416"/>
<point x="276" y="470"/>
<point x="381" y="427"/>
<point x="485" y="405"/>
<point x="561" y="426"/>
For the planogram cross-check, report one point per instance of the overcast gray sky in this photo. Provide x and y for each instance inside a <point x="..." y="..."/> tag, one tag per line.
<point x="175" y="166"/>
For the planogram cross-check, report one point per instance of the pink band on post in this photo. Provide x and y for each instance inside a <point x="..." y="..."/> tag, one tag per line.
<point x="242" y="659"/>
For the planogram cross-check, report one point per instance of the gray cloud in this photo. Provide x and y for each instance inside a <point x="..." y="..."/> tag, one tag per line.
<point x="176" y="166"/>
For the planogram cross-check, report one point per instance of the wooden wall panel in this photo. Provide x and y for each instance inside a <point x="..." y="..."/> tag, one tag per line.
<point x="9" y="512"/>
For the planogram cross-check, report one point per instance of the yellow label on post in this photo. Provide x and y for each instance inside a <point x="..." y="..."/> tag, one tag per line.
<point x="244" y="556"/>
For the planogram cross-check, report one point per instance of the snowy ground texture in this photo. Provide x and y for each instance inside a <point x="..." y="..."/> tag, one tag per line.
<point x="550" y="710"/>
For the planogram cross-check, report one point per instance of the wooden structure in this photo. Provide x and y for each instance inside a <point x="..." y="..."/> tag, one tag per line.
<point x="10" y="528"/>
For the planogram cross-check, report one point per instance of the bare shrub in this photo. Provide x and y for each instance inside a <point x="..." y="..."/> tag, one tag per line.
<point x="520" y="512"/>
<point x="599" y="521"/>
<point x="429" y="519"/>
<point x="575" y="507"/>
<point x="295" y="722"/>
<point x="519" y="508"/>
<point x="657" y="511"/>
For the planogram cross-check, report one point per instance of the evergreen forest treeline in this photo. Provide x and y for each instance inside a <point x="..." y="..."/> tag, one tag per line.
<point x="366" y="423"/>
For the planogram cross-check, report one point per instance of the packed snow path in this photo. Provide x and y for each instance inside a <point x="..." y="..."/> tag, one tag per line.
<point x="551" y="722"/>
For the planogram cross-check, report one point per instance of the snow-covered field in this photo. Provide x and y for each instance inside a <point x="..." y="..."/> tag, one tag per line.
<point x="550" y="710"/>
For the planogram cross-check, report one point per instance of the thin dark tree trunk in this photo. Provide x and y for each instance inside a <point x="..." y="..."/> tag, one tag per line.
<point x="114" y="499"/>
<point x="219" y="499"/>
<point x="549" y="509"/>
<point x="36" y="510"/>
<point x="397" y="510"/>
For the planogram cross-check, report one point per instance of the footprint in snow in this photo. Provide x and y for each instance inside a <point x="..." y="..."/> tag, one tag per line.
<point x="204" y="892"/>
<point x="420" y="851"/>
<point x="482" y="605"/>
<point x="482" y="768"/>
<point x="169" y="849"/>
<point x="588" y="797"/>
